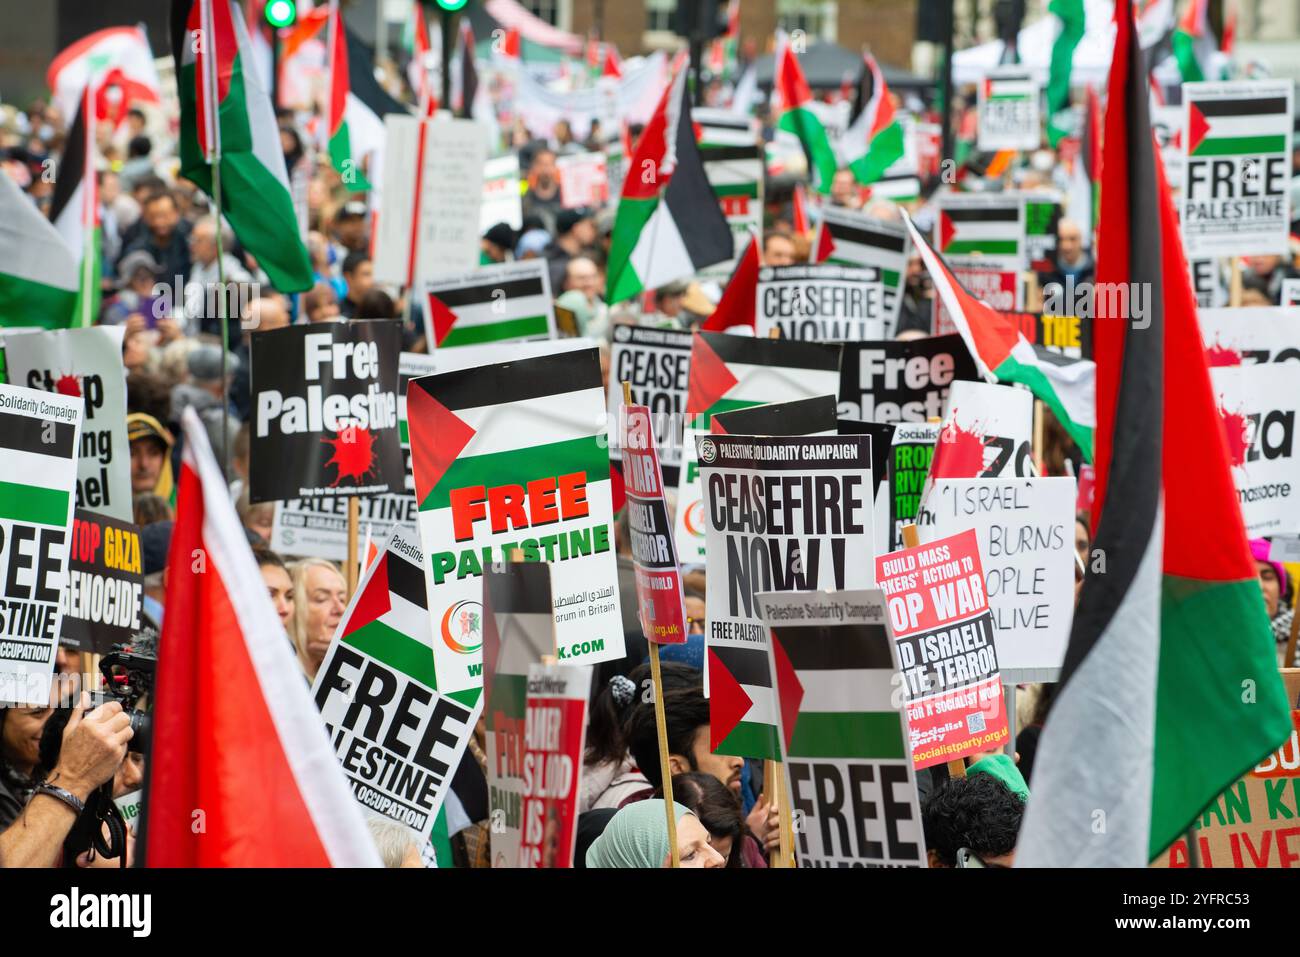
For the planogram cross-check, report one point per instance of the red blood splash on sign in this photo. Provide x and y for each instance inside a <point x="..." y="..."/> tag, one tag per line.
<point x="1234" y="429"/>
<point x="959" y="452"/>
<point x="1217" y="356"/>
<point x="354" y="454"/>
<point x="68" y="385"/>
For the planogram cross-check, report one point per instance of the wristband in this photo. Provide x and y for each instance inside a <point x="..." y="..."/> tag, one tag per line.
<point x="61" y="794"/>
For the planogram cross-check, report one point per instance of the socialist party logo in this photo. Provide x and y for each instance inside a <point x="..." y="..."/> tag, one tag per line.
<point x="462" y="627"/>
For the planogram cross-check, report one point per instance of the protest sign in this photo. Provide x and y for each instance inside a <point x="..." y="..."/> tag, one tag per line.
<point x="1237" y="172"/>
<point x="85" y="363"/>
<point x="518" y="629"/>
<point x="1167" y="125"/>
<point x="104" y="597"/>
<point x="501" y="199"/>
<point x="781" y="514"/>
<point x="910" y="455"/>
<point x="1254" y="822"/>
<point x="492" y="353"/>
<point x="1042" y="215"/>
<point x="399" y="740"/>
<point x="982" y="239"/>
<point x="1007" y="105"/>
<point x="892" y="381"/>
<point x="319" y="526"/>
<point x="130" y="805"/>
<point x="1065" y="334"/>
<point x="846" y="237"/>
<point x="554" y="728"/>
<point x="1208" y="283"/>
<point x="658" y="578"/>
<point x="630" y="98"/>
<point x="39" y="439"/>
<point x="736" y="175"/>
<point x="820" y="303"/>
<point x="584" y="182"/>
<point x="734" y="372"/>
<point x="1258" y="407"/>
<point x="843" y="733"/>
<point x="1290" y="292"/>
<point x="1249" y="336"/>
<point x="718" y="128"/>
<point x="939" y="617"/>
<point x="657" y="363"/>
<point x="1025" y="529"/>
<point x="882" y="446"/>
<point x="498" y="303"/>
<point x="987" y="432"/>
<point x="324" y="402"/>
<point x="432" y="199"/>
<point x="514" y="456"/>
<point x="815" y="416"/>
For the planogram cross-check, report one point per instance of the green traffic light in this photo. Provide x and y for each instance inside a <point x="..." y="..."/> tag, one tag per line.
<point x="281" y="13"/>
<point x="451" y="6"/>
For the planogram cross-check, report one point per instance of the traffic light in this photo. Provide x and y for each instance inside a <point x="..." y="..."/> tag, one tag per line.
<point x="451" y="6"/>
<point x="280" y="13"/>
<point x="699" y="19"/>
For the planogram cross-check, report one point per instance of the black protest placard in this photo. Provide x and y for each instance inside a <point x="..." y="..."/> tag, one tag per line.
<point x="657" y="365"/>
<point x="815" y="416"/>
<point x="104" y="599"/>
<point x="891" y="381"/>
<point x="325" y="411"/>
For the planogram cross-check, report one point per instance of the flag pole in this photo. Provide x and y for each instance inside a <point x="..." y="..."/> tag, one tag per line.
<point x="354" y="519"/>
<point x="212" y="126"/>
<point x="661" y="726"/>
<point x="89" y="213"/>
<point x="911" y="539"/>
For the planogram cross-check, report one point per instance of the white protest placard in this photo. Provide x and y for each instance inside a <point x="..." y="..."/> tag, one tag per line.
<point x="1258" y="406"/>
<point x="584" y="181"/>
<point x="688" y="516"/>
<point x="1007" y="103"/>
<point x="432" y="199"/>
<point x="39" y="439"/>
<point x="1250" y="335"/>
<point x="656" y="363"/>
<point x="1167" y="125"/>
<point x="503" y="302"/>
<point x="849" y="238"/>
<point x="1291" y="292"/>
<point x="1025" y="528"/>
<point x="736" y="174"/>
<point x="1237" y="175"/>
<point x="820" y="303"/>
<point x="85" y="363"/>
<point x="987" y="432"/>
<point x="1208" y="283"/>
<point x="983" y="239"/>
<point x="501" y="199"/>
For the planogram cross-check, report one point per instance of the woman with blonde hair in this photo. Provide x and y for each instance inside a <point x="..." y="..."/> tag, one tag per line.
<point x="319" y="600"/>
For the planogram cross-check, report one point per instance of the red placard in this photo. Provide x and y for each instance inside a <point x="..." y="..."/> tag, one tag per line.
<point x="554" y="725"/>
<point x="939" y="618"/>
<point x="658" y="577"/>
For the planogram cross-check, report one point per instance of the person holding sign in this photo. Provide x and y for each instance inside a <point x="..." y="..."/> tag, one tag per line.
<point x="637" y="836"/>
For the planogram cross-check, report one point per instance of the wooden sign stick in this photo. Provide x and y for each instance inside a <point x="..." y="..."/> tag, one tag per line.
<point x="911" y="539"/>
<point x="661" y="724"/>
<point x="1235" y="289"/>
<point x="354" y="519"/>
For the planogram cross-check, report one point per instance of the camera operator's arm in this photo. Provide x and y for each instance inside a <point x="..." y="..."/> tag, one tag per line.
<point x="93" y="746"/>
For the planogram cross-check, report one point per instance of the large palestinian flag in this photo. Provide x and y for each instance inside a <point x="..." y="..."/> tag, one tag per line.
<point x="38" y="276"/>
<point x="74" y="210"/>
<point x="798" y="116"/>
<point x="669" y="224"/>
<point x="347" y="162"/>
<point x="874" y="140"/>
<point x="509" y="457"/>
<point x="1003" y="354"/>
<point x="1175" y="629"/>
<point x="227" y="122"/>
<point x="734" y="372"/>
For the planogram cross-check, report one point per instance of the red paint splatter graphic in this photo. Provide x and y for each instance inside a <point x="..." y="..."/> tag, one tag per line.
<point x="1236" y="429"/>
<point x="1218" y="356"/>
<point x="68" y="385"/>
<point x="959" y="452"/>
<point x="354" y="454"/>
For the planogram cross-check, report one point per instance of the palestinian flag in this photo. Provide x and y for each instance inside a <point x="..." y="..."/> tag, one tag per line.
<point x="1176" y="628"/>
<point x="234" y="725"/>
<point x="742" y="703"/>
<point x="535" y="420"/>
<point x="1236" y="127"/>
<point x="815" y="416"/>
<point x="1084" y="175"/>
<point x="874" y="140"/>
<point x="367" y="105"/>
<point x="115" y="59"/>
<point x="723" y="61"/>
<point x="900" y="188"/>
<point x="721" y="128"/>
<point x="1197" y="49"/>
<point x="1073" y="20"/>
<point x="39" y="279"/>
<point x="423" y="61"/>
<point x="800" y="210"/>
<point x="388" y="618"/>
<point x="735" y="372"/>
<point x="227" y="124"/>
<point x="797" y="116"/>
<point x="849" y="238"/>
<point x="982" y="230"/>
<point x="740" y="297"/>
<point x="74" y="210"/>
<point x="346" y="163"/>
<point x="505" y="302"/>
<point x="669" y="225"/>
<point x="735" y="173"/>
<point x="1003" y="354"/>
